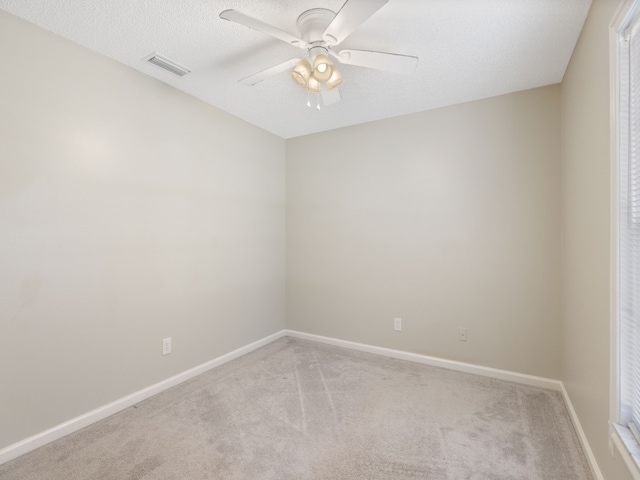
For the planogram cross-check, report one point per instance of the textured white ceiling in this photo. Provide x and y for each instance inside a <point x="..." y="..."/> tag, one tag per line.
<point x="468" y="49"/>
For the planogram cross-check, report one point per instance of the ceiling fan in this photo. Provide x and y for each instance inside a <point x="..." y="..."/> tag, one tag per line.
<point x="320" y="32"/>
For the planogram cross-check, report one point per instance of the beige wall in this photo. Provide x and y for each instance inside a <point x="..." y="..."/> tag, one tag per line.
<point x="444" y="218"/>
<point x="129" y="212"/>
<point x="586" y="233"/>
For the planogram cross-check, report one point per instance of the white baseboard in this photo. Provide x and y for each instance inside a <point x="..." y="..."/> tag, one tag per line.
<point x="595" y="469"/>
<point x="75" y="424"/>
<point x="532" y="380"/>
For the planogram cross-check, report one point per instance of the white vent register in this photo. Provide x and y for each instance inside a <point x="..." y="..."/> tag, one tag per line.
<point x="167" y="64"/>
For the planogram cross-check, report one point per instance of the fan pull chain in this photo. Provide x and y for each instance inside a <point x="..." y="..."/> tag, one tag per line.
<point x="318" y="99"/>
<point x="308" y="98"/>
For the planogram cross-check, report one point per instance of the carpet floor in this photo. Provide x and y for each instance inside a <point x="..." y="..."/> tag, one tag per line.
<point x="306" y="411"/>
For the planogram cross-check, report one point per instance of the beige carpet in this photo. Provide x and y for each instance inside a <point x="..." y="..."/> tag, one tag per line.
<point x="301" y="410"/>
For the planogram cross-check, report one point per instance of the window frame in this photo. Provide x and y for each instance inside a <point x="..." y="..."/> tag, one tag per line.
<point x="620" y="438"/>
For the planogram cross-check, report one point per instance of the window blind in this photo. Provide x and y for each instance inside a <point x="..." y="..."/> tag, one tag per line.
<point x="629" y="225"/>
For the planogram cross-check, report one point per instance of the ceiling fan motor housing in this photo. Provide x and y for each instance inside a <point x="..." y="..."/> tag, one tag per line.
<point x="312" y="24"/>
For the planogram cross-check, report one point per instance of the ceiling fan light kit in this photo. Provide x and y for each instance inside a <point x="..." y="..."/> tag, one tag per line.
<point x="320" y="30"/>
<point x="323" y="72"/>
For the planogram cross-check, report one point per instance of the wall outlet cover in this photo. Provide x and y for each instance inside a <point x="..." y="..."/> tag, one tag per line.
<point x="462" y="334"/>
<point x="397" y="324"/>
<point x="166" y="346"/>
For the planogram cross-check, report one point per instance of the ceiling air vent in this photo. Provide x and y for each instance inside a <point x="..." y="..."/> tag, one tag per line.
<point x="169" y="65"/>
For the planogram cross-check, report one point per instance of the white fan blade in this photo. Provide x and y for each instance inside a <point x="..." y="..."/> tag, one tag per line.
<point x="269" y="72"/>
<point x="352" y="14"/>
<point x="329" y="97"/>
<point x="260" y="26"/>
<point x="389" y="62"/>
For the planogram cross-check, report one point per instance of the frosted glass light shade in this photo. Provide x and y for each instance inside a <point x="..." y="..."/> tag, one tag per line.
<point x="322" y="68"/>
<point x="335" y="79"/>
<point x="302" y="73"/>
<point x="313" y="85"/>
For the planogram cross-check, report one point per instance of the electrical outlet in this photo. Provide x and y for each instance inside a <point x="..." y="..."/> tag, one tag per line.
<point x="397" y="324"/>
<point x="166" y="346"/>
<point x="462" y="334"/>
